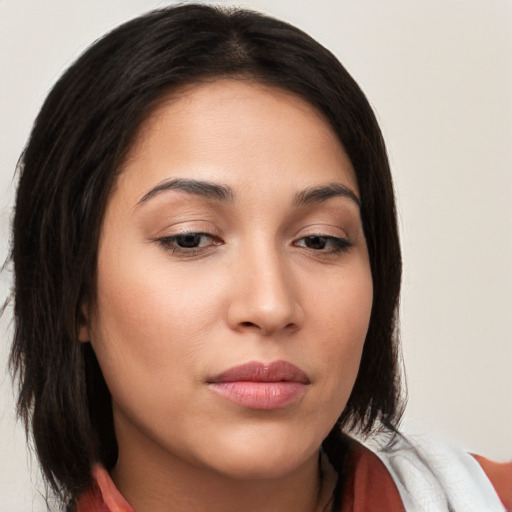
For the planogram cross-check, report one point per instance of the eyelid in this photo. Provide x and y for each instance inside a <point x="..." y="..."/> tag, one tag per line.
<point x="333" y="244"/>
<point x="322" y="229"/>
<point x="169" y="243"/>
<point x="167" y="237"/>
<point x="186" y="227"/>
<point x="336" y="240"/>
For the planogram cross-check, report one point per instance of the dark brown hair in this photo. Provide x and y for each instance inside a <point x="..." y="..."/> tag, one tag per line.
<point x="66" y="172"/>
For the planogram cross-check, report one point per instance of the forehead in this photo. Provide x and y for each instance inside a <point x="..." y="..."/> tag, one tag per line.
<point x="237" y="130"/>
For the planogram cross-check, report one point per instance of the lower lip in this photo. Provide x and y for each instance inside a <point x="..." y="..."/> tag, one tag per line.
<point x="260" y="395"/>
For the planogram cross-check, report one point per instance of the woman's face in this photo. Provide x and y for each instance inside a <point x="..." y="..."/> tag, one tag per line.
<point x="233" y="288"/>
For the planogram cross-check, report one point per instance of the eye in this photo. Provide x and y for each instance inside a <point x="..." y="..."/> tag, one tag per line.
<point x="191" y="240"/>
<point x="188" y="242"/>
<point x="324" y="243"/>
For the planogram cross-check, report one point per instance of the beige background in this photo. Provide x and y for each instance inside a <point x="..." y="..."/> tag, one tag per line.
<point x="439" y="74"/>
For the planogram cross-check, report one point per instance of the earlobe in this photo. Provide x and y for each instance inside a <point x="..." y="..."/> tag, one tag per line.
<point x="83" y="330"/>
<point x="83" y="334"/>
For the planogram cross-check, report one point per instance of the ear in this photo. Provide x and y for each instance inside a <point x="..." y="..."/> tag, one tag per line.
<point x="83" y="329"/>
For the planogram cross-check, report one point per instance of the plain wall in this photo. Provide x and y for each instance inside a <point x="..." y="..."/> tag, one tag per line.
<point x="439" y="75"/>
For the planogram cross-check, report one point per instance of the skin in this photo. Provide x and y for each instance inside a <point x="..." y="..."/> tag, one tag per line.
<point x="167" y="318"/>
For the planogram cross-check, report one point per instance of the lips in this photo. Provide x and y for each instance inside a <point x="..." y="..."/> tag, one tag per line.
<point x="257" y="385"/>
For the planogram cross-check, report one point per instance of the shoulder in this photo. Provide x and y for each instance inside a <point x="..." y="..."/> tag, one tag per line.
<point x="500" y="475"/>
<point x="435" y="477"/>
<point x="369" y="485"/>
<point x="103" y="496"/>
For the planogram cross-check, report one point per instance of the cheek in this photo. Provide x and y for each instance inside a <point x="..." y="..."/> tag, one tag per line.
<point x="149" y="321"/>
<point x="147" y="337"/>
<point x="342" y="315"/>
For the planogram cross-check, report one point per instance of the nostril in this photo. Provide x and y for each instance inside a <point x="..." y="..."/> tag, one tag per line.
<point x="248" y="324"/>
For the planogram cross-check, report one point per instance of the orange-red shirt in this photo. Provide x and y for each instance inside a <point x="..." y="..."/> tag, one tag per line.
<point x="369" y="487"/>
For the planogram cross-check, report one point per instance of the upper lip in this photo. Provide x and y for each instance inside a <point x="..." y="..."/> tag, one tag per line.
<point x="277" y="371"/>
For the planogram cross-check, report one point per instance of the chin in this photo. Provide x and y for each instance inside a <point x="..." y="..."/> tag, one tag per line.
<point x="261" y="458"/>
<point x="262" y="468"/>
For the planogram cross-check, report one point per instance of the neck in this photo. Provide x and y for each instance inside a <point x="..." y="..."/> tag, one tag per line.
<point x="151" y="489"/>
<point x="152" y="482"/>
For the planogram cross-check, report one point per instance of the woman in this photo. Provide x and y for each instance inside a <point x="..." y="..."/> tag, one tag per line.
<point x="207" y="275"/>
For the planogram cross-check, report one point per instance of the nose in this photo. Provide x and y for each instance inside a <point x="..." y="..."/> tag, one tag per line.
<point x="264" y="298"/>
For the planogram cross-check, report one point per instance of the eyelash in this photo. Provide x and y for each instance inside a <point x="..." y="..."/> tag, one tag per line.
<point x="337" y="244"/>
<point x="170" y="243"/>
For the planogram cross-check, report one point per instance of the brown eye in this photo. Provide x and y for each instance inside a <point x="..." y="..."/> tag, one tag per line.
<point x="315" y="242"/>
<point x="189" y="241"/>
<point x="325" y="244"/>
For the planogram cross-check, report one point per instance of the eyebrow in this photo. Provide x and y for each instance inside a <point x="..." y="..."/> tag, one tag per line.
<point x="204" y="189"/>
<point x="224" y="193"/>
<point x="319" y="194"/>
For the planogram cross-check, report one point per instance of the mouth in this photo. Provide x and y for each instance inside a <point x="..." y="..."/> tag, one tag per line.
<point x="257" y="385"/>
